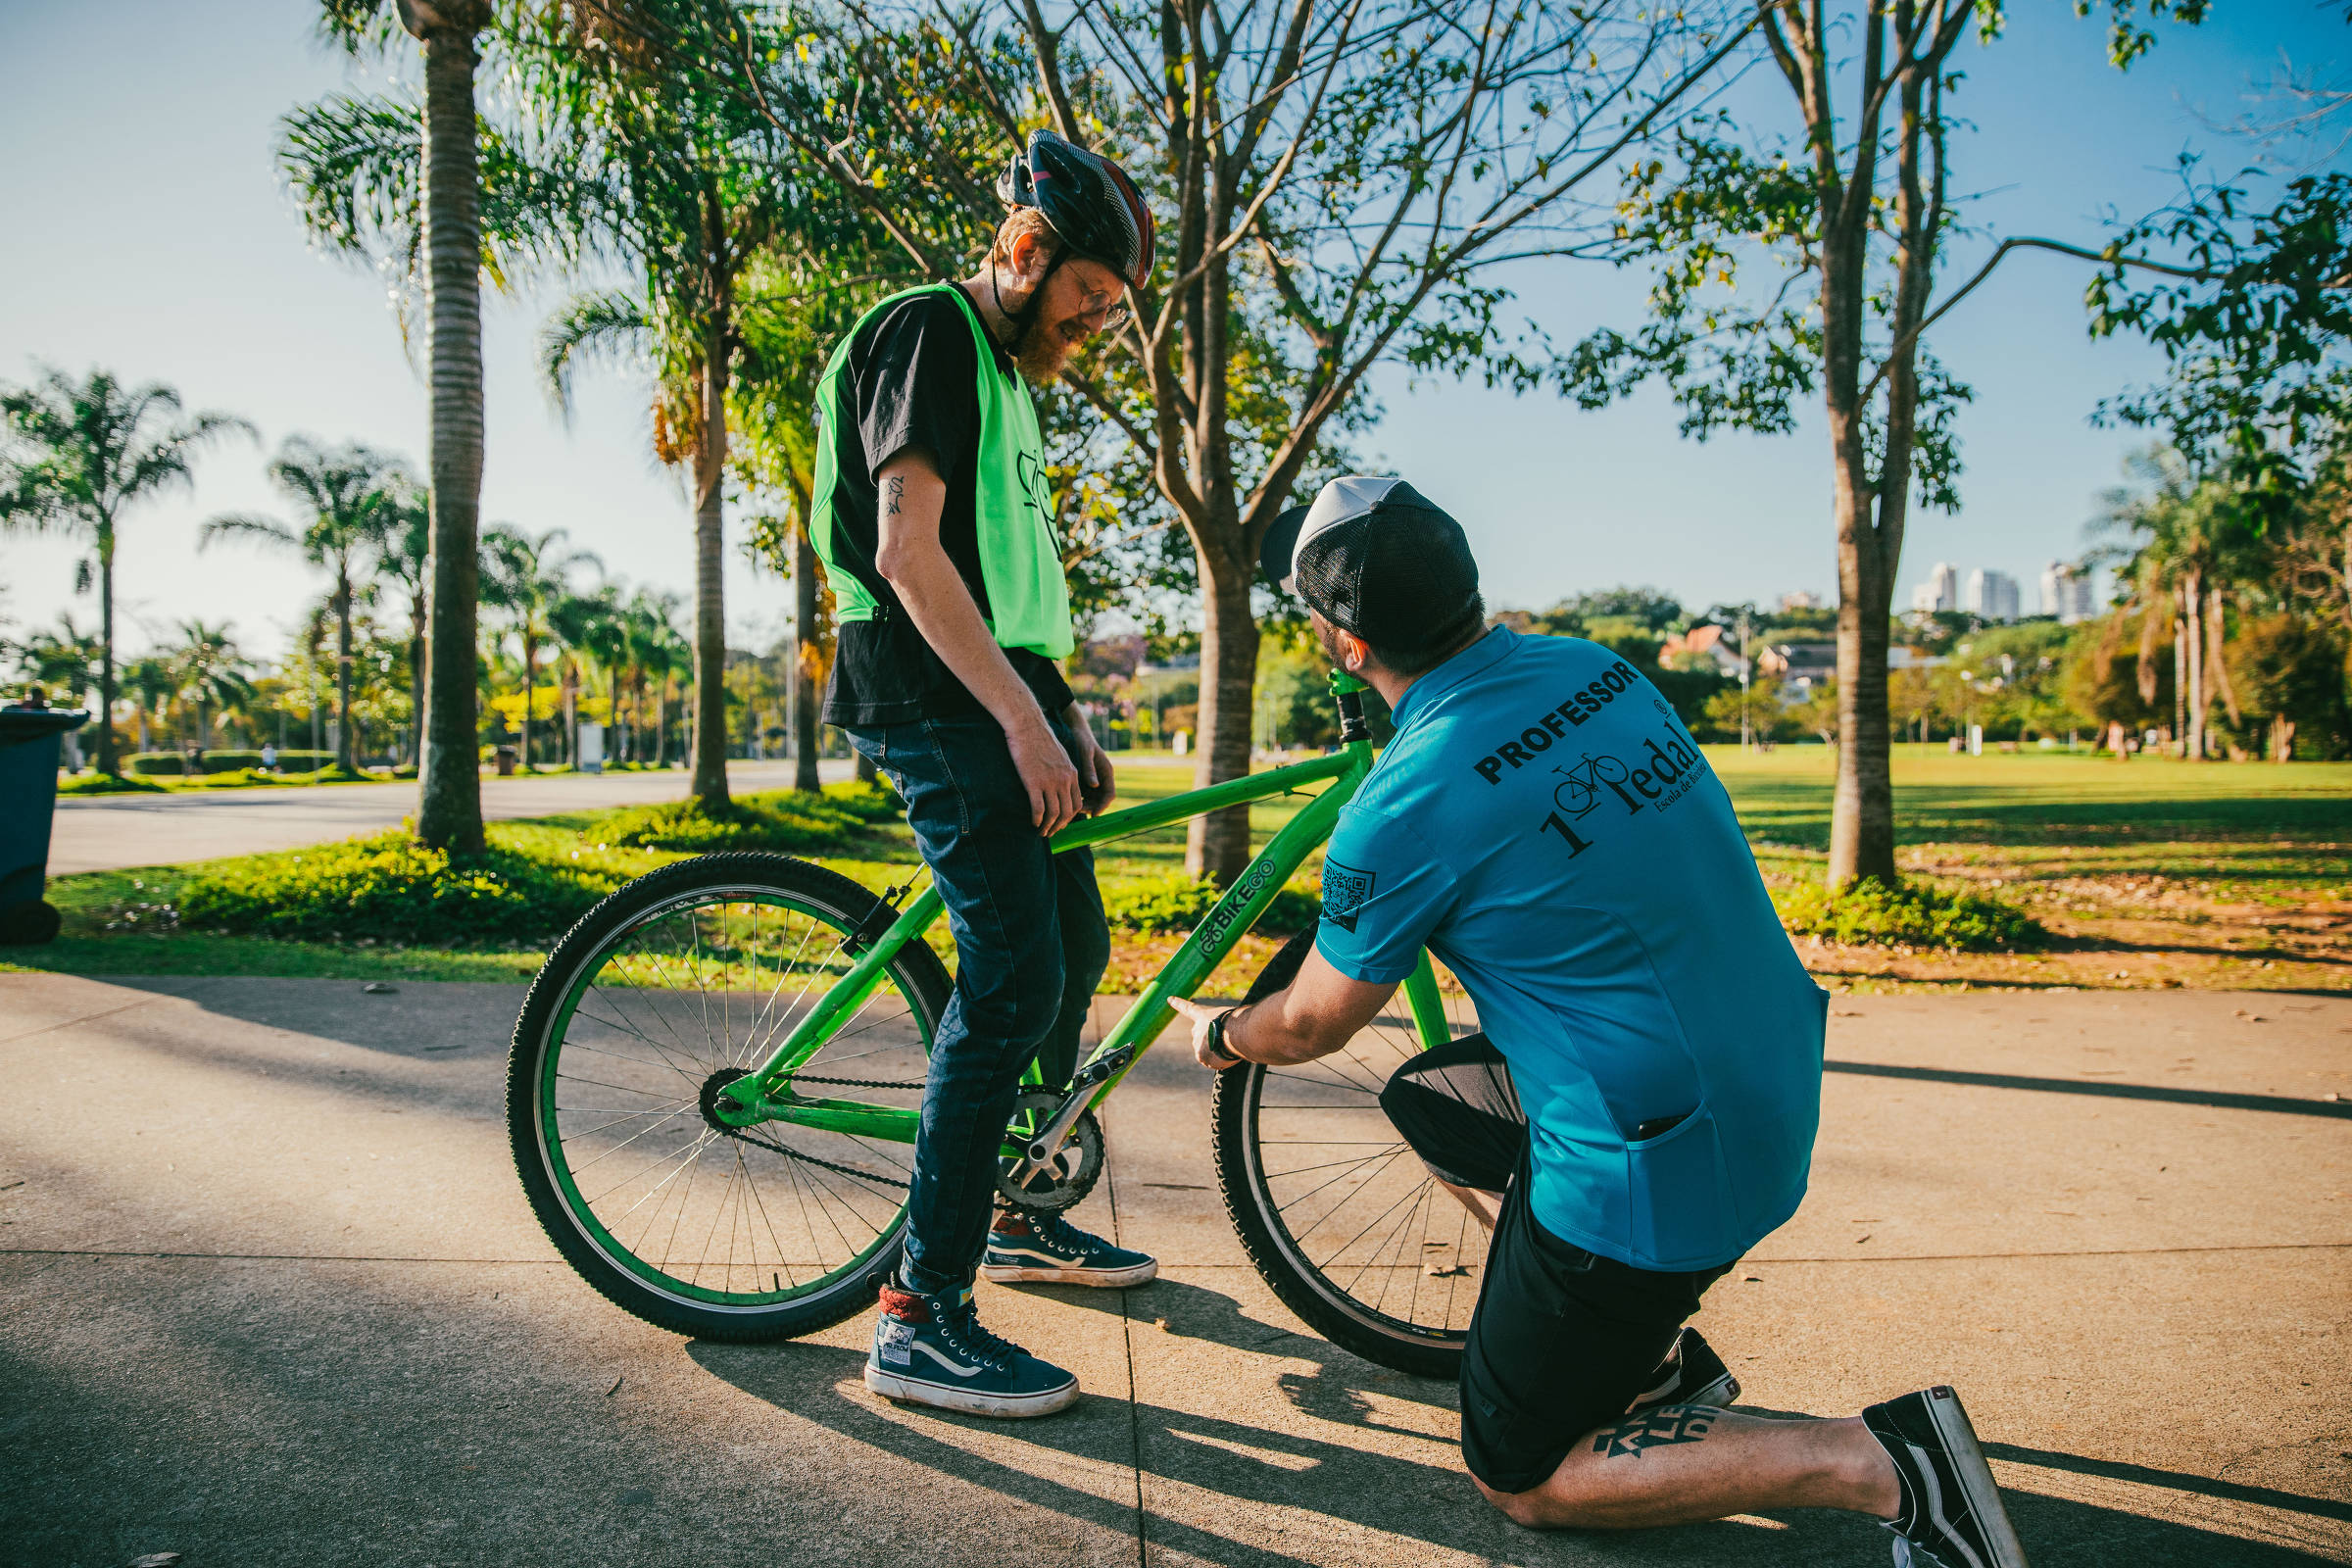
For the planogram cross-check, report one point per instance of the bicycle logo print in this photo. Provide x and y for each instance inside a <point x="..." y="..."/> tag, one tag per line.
<point x="1582" y="791"/>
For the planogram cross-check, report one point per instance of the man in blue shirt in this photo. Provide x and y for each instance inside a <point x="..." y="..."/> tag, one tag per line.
<point x="1639" y="1109"/>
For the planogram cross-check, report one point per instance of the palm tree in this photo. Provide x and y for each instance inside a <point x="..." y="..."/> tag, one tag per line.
<point x="593" y="628"/>
<point x="657" y="652"/>
<point x="64" y="660"/>
<point x="528" y="576"/>
<point x="207" y="673"/>
<point x="147" y="681"/>
<point x="347" y="535"/>
<point x="691" y="184"/>
<point x="407" y="561"/>
<point x="2180" y="548"/>
<point x="449" y="814"/>
<point x="83" y="454"/>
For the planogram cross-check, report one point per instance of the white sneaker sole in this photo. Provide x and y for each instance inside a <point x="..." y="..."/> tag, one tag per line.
<point x="1976" y="1478"/>
<point x="940" y="1396"/>
<point x="1010" y="1274"/>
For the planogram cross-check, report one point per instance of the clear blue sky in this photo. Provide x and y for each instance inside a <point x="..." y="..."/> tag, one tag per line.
<point x="146" y="232"/>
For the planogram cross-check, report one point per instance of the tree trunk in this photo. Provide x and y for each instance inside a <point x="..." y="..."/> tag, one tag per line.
<point x="709" y="583"/>
<point x="344" y="749"/>
<point x="2192" y="599"/>
<point x="1862" y="808"/>
<point x="804" y="652"/>
<point x="530" y="686"/>
<point x="1217" y="846"/>
<point x="420" y="668"/>
<point x="108" y="759"/>
<point x="449" y="814"/>
<point x="662" y="723"/>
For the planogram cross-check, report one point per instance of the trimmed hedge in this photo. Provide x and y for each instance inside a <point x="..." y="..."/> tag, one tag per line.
<point x="1917" y="914"/>
<point x="107" y="784"/>
<point x="172" y="764"/>
<point x="1171" y="902"/>
<point x="389" y="887"/>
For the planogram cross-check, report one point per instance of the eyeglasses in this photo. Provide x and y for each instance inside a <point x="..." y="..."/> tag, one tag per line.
<point x="1111" y="303"/>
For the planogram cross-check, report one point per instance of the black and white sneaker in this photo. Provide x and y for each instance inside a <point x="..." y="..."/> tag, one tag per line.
<point x="1952" y="1515"/>
<point x="1692" y="1374"/>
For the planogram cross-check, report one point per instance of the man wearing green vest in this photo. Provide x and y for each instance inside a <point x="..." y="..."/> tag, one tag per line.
<point x="935" y="523"/>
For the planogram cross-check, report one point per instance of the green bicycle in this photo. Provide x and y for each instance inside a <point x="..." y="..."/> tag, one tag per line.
<point x="717" y="1078"/>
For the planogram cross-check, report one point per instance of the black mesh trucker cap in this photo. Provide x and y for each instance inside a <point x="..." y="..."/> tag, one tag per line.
<point x="1378" y="558"/>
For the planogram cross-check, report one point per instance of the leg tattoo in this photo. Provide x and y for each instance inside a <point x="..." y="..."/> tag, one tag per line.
<point x="1654" y="1429"/>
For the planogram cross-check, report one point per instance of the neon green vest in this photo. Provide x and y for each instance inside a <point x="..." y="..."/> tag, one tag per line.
<point x="1020" y="560"/>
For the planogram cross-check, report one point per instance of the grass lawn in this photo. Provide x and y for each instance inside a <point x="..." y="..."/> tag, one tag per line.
<point x="2150" y="872"/>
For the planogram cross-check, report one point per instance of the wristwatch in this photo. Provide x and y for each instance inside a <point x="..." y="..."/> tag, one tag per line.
<point x="1217" y="1038"/>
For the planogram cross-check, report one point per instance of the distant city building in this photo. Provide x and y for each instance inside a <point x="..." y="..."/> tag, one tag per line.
<point x="1992" y="595"/>
<point x="2066" y="591"/>
<point x="1942" y="590"/>
<point x="1802" y="599"/>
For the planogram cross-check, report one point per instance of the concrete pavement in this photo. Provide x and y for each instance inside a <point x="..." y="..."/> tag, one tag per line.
<point x="269" y="1293"/>
<point x="106" y="832"/>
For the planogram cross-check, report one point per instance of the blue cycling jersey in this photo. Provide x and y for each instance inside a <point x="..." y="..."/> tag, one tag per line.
<point x="1546" y="827"/>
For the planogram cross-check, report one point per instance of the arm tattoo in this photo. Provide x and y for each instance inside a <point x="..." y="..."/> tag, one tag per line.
<point x="1654" y="1429"/>
<point x="893" y="488"/>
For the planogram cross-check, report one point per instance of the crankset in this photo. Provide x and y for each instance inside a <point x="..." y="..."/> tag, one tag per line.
<point x="1069" y="1168"/>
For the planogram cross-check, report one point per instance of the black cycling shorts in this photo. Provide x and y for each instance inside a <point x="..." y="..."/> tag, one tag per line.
<point x="1563" y="1340"/>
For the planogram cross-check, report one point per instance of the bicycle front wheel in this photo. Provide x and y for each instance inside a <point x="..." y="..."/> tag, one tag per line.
<point x="666" y="992"/>
<point x="1338" y="1214"/>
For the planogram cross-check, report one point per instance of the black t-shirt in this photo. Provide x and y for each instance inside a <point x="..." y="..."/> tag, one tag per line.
<point x="909" y="382"/>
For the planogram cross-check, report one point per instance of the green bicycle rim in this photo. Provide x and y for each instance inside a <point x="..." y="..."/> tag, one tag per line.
<point x="582" y="1212"/>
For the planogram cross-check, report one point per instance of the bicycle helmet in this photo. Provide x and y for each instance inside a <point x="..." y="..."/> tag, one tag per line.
<point x="1089" y="202"/>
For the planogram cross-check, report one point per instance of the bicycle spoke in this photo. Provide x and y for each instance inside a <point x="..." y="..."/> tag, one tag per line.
<point x="694" y="989"/>
<point x="1367" y="1217"/>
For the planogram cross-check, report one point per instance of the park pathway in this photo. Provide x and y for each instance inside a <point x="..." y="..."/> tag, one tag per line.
<point x="269" y="1295"/>
<point x="107" y="832"/>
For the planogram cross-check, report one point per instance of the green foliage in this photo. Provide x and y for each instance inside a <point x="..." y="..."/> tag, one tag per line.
<point x="153" y="764"/>
<point x="107" y="784"/>
<point x="228" y="761"/>
<point x="2259" y="341"/>
<point x="876" y="802"/>
<point x="2294" y="682"/>
<point x="1915" y="915"/>
<point x="778" y="819"/>
<point x="1167" y="902"/>
<point x="387" y="886"/>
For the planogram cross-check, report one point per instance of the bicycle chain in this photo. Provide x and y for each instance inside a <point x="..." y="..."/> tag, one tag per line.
<point x="770" y="1143"/>
<point x="859" y="1083"/>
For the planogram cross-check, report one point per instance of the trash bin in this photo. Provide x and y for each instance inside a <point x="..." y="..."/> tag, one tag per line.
<point x="506" y="762"/>
<point x="28" y="743"/>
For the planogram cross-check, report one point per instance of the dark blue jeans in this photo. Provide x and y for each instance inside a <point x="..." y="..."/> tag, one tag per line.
<point x="1031" y="943"/>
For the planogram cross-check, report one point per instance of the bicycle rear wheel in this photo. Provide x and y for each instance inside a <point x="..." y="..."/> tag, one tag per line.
<point x="659" y="996"/>
<point x="1336" y="1212"/>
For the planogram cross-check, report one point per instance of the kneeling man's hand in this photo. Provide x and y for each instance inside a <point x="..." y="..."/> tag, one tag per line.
<point x="1201" y="1019"/>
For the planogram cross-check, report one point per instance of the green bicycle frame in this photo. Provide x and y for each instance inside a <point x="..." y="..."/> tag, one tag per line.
<point x="766" y="1093"/>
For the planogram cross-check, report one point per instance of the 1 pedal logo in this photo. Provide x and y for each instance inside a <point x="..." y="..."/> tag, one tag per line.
<point x="1657" y="779"/>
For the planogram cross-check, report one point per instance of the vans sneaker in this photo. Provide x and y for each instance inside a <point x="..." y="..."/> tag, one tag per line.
<point x="1693" y="1374"/>
<point x="1026" y="1248"/>
<point x="931" y="1349"/>
<point x="1951" y="1515"/>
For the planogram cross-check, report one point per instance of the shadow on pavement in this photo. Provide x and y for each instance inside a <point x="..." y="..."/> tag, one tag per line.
<point x="2219" y="1099"/>
<point x="427" y="1019"/>
<point x="2175" y="1479"/>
